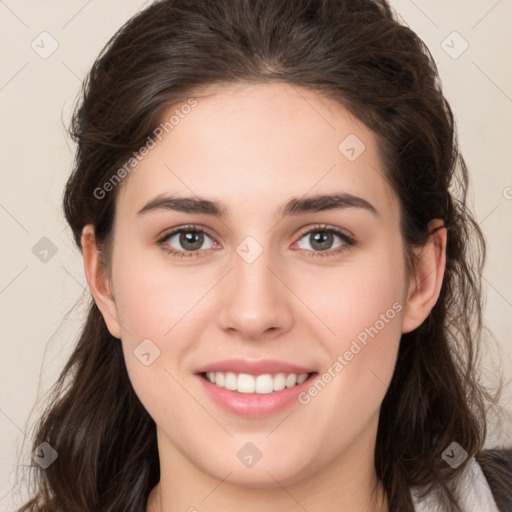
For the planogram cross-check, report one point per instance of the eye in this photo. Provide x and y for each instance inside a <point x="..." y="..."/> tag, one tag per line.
<point x="186" y="241"/>
<point x="322" y="239"/>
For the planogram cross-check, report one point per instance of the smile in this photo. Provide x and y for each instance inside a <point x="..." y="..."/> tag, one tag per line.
<point x="260" y="384"/>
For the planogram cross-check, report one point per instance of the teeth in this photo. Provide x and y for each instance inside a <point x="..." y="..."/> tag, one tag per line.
<point x="291" y="380"/>
<point x="264" y="384"/>
<point x="261" y="384"/>
<point x="246" y="383"/>
<point x="230" y="381"/>
<point x="279" y="381"/>
<point x="302" y="377"/>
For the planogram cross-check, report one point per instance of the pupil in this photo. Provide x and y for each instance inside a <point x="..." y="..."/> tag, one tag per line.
<point x="323" y="240"/>
<point x="192" y="237"/>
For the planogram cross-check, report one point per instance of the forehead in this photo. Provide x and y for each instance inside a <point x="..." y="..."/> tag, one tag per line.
<point x="260" y="144"/>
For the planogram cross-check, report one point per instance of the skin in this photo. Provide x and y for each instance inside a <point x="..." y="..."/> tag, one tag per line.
<point x="253" y="147"/>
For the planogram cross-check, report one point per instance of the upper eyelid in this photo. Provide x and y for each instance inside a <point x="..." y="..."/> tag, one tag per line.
<point x="326" y="227"/>
<point x="189" y="227"/>
<point x="199" y="228"/>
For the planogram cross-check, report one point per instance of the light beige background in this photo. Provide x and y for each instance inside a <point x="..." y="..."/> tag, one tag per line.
<point x="39" y="323"/>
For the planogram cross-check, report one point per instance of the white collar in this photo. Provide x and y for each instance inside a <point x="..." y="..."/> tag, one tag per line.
<point x="474" y="494"/>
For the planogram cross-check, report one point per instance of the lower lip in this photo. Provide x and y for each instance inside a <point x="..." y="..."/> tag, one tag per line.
<point x="254" y="405"/>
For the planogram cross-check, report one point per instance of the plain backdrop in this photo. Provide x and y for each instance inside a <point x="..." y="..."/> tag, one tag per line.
<point x="46" y="49"/>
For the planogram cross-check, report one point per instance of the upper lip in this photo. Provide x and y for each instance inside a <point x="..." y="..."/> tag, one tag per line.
<point x="253" y="367"/>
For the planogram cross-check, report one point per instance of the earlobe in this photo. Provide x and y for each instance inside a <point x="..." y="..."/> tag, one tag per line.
<point x="425" y="285"/>
<point x="98" y="280"/>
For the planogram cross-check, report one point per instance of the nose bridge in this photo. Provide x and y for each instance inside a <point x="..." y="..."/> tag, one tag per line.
<point x="251" y="271"/>
<point x="254" y="300"/>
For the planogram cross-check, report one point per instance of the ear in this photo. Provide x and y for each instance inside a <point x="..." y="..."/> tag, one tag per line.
<point x="98" y="280"/>
<point x="425" y="285"/>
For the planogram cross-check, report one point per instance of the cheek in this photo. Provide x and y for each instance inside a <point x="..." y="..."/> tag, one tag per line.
<point x="152" y="300"/>
<point x="362" y="307"/>
<point x="155" y="306"/>
<point x="156" y="309"/>
<point x="366" y="292"/>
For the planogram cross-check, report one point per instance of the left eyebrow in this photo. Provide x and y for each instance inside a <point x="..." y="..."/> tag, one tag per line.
<point x="296" y="206"/>
<point x="320" y="203"/>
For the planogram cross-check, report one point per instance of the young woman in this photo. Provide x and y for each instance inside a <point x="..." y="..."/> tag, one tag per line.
<point x="286" y="308"/>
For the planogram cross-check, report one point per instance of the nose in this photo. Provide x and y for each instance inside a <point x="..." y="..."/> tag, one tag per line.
<point x="255" y="302"/>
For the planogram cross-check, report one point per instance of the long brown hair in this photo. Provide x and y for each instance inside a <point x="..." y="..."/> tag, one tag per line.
<point x="354" y="52"/>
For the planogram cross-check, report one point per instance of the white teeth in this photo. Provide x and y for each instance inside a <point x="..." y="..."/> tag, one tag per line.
<point x="291" y="380"/>
<point x="302" y="377"/>
<point x="279" y="381"/>
<point x="230" y="381"/>
<point x="246" y="383"/>
<point x="264" y="384"/>
<point x="261" y="384"/>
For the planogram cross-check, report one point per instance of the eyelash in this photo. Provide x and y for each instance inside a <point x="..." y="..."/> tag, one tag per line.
<point x="348" y="241"/>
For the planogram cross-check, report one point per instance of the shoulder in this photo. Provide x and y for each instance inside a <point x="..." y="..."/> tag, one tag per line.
<point x="484" y="484"/>
<point x="496" y="466"/>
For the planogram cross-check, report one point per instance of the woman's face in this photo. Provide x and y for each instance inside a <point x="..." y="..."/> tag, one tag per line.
<point x="273" y="275"/>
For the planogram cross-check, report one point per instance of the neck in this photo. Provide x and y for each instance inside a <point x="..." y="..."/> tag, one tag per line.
<point x="348" y="483"/>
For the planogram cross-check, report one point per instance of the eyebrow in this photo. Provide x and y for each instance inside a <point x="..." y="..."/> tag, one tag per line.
<point x="296" y="206"/>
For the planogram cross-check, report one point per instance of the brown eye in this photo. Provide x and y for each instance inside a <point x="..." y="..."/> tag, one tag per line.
<point x="186" y="240"/>
<point x="328" y="240"/>
<point x="321" y="240"/>
<point x="191" y="240"/>
<point x="324" y="239"/>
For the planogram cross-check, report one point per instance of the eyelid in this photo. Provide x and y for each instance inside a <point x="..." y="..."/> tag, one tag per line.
<point x="327" y="227"/>
<point x="347" y="237"/>
<point x="348" y="241"/>
<point x="185" y="227"/>
<point x="161" y="239"/>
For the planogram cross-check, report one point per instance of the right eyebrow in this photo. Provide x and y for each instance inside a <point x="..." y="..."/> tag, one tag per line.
<point x="192" y="204"/>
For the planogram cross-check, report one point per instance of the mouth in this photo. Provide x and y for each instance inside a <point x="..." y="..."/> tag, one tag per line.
<point x="254" y="388"/>
<point x="262" y="384"/>
<point x="254" y="396"/>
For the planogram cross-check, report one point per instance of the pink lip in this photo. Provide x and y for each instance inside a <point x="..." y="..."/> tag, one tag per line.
<point x="254" y="367"/>
<point x="254" y="405"/>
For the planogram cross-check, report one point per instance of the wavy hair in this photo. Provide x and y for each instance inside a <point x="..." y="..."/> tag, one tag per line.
<point x="354" y="52"/>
